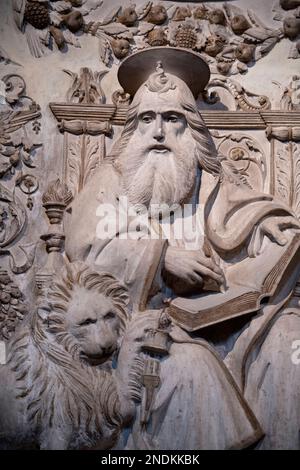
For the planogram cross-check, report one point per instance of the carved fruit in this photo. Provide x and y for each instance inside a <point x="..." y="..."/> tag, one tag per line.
<point x="223" y="67"/>
<point x="4" y="277"/>
<point x="214" y="45"/>
<point x="14" y="159"/>
<point x="58" y="36"/>
<point x="217" y="16"/>
<point x="37" y="14"/>
<point x="73" y="21"/>
<point x="291" y="27"/>
<point x="181" y="14"/>
<point x="4" y="298"/>
<point x="289" y="4"/>
<point x="239" y="24"/>
<point x="120" y="47"/>
<point x="157" y="37"/>
<point x="201" y="13"/>
<point x="186" y="37"/>
<point x="128" y="16"/>
<point x="157" y="15"/>
<point x="245" y="52"/>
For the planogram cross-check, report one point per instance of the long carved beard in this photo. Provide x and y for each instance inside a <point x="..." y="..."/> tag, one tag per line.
<point x="158" y="178"/>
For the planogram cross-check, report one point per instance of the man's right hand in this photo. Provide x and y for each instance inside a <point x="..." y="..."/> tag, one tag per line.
<point x="192" y="265"/>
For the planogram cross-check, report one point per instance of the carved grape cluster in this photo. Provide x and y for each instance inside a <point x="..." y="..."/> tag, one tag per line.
<point x="12" y="308"/>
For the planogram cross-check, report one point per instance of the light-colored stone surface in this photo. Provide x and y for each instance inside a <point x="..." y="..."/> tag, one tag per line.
<point x="246" y="247"/>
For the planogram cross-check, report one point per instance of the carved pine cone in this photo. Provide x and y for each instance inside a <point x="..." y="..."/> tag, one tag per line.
<point x="186" y="37"/>
<point x="37" y="14"/>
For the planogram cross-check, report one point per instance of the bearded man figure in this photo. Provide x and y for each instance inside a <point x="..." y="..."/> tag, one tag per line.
<point x="157" y="163"/>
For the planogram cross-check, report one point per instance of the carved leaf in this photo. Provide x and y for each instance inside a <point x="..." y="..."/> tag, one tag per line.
<point x="71" y="38"/>
<point x="61" y="6"/>
<point x="19" y="9"/>
<point x="283" y="174"/>
<point x="296" y="189"/>
<point x="90" y="5"/>
<point x="233" y="10"/>
<point x="259" y="34"/>
<point x="92" y="158"/>
<point x="279" y="13"/>
<point x="144" y="28"/>
<point x="255" y="20"/>
<point x="294" y="53"/>
<point x="143" y="10"/>
<point x="37" y="40"/>
<point x="114" y="29"/>
<point x="55" y="18"/>
<point x="111" y="16"/>
<point x="74" y="166"/>
<point x="267" y="46"/>
<point x="104" y="48"/>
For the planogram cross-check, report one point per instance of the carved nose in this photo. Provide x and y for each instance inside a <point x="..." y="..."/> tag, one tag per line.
<point x="158" y="130"/>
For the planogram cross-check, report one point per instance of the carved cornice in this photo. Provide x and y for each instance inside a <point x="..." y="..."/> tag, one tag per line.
<point x="213" y="119"/>
<point x="92" y="112"/>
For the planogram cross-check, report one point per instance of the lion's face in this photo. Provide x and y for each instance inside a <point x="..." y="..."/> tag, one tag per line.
<point x="93" y="320"/>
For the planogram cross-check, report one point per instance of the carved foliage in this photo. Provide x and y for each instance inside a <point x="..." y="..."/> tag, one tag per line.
<point x="287" y="174"/>
<point x="288" y="13"/>
<point x="245" y="155"/>
<point x="83" y="159"/>
<point x="41" y="20"/>
<point x="229" y="36"/>
<point x="244" y="99"/>
<point x="17" y="152"/>
<point x="12" y="306"/>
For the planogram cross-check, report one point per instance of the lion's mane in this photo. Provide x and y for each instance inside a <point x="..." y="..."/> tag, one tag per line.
<point x="58" y="387"/>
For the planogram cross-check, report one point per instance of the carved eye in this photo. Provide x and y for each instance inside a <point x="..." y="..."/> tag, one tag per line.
<point x="88" y="321"/>
<point x="173" y="118"/>
<point x="147" y="118"/>
<point x="109" y="316"/>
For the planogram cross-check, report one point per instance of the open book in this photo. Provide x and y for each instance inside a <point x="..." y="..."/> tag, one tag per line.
<point x="248" y="283"/>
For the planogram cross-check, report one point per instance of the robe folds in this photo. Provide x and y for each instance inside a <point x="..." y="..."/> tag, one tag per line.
<point x="199" y="404"/>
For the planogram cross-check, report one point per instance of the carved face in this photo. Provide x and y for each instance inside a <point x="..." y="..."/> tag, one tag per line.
<point x="159" y="162"/>
<point x="291" y="27"/>
<point x="157" y="15"/>
<point x="120" y="47"/>
<point x="244" y="52"/>
<point x="93" y="320"/>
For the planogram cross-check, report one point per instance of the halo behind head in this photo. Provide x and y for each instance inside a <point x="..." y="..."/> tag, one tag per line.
<point x="186" y="65"/>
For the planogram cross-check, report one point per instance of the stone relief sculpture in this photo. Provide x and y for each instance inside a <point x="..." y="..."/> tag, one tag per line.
<point x="18" y="151"/>
<point x="167" y="296"/>
<point x="230" y="38"/>
<point x="163" y="111"/>
<point x="57" y="352"/>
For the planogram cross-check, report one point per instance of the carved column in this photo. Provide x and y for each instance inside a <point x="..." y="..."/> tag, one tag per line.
<point x="284" y="136"/>
<point x="84" y="120"/>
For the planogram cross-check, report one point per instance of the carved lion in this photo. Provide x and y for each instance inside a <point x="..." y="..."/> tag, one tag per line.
<point x="57" y="388"/>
